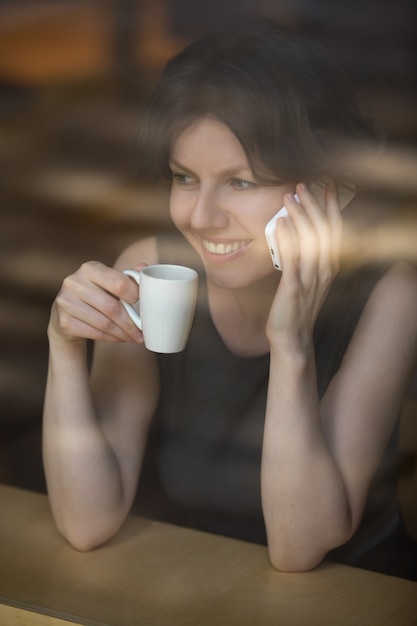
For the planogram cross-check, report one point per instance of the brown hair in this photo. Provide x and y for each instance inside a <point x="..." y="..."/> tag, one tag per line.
<point x="290" y="106"/>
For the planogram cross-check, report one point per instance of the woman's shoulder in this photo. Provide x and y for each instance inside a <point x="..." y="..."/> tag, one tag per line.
<point x="398" y="285"/>
<point x="165" y="247"/>
<point x="141" y="251"/>
<point x="392" y="307"/>
<point x="403" y="272"/>
<point x="173" y="247"/>
<point x="376" y="282"/>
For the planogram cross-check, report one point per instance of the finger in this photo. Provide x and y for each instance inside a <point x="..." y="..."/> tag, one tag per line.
<point x="103" y="288"/>
<point x="288" y="245"/>
<point x="334" y="216"/>
<point x="308" y="239"/>
<point x="74" y="314"/>
<point x="326" y="220"/>
<point x="111" y="280"/>
<point x="314" y="206"/>
<point x="82" y="330"/>
<point x="83" y="300"/>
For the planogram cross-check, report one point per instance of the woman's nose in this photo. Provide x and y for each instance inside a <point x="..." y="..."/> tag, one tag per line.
<point x="208" y="211"/>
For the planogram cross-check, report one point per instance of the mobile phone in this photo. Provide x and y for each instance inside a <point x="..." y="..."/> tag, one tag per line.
<point x="270" y="229"/>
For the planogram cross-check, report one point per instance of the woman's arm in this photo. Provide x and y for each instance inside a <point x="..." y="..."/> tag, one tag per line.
<point x="94" y="433"/>
<point x="319" y="457"/>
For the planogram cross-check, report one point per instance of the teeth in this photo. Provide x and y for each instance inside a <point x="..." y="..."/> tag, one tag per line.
<point x="221" y="248"/>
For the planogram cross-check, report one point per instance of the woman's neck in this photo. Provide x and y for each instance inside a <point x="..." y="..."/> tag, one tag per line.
<point x="240" y="315"/>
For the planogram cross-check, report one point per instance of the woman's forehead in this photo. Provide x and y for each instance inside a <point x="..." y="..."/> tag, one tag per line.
<point x="206" y="131"/>
<point x="209" y="145"/>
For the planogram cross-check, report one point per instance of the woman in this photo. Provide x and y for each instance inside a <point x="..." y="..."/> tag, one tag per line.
<point x="277" y="423"/>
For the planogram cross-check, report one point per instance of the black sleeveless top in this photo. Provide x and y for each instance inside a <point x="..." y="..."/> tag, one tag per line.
<point x="203" y="461"/>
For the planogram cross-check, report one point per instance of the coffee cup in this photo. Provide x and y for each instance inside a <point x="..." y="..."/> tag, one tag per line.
<point x="164" y="311"/>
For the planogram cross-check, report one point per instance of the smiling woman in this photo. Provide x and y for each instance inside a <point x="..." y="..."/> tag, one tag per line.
<point x="277" y="423"/>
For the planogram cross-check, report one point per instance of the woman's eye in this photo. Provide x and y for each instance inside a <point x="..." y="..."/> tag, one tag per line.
<point x="240" y="183"/>
<point x="183" y="179"/>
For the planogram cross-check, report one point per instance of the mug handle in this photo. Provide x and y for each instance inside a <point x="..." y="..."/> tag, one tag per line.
<point x="134" y="316"/>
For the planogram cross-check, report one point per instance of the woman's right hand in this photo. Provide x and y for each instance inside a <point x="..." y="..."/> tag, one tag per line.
<point x="88" y="305"/>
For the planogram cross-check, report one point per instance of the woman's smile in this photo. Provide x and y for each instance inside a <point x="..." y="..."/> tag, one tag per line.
<point x="224" y="248"/>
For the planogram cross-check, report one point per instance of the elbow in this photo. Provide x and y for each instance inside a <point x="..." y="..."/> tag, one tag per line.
<point x="81" y="544"/>
<point x="86" y="538"/>
<point x="86" y="530"/>
<point x="294" y="563"/>
<point x="304" y="556"/>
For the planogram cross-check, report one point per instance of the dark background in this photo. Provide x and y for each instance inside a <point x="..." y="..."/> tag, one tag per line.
<point x="73" y="79"/>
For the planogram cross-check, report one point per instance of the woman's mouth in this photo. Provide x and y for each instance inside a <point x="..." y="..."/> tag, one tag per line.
<point x="223" y="249"/>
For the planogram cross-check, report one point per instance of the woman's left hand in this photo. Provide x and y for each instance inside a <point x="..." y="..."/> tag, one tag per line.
<point x="309" y="241"/>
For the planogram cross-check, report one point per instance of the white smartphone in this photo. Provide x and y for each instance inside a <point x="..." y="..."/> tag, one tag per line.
<point x="270" y="229"/>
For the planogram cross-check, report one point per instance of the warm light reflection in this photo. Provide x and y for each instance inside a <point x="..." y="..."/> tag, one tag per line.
<point x="54" y="41"/>
<point x="393" y="169"/>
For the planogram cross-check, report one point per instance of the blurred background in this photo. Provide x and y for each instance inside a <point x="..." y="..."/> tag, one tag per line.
<point x="74" y="77"/>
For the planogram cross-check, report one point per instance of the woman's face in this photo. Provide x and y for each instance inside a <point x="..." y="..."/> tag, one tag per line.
<point x="218" y="206"/>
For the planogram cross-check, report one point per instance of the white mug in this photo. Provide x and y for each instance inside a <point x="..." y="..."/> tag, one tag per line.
<point x="164" y="311"/>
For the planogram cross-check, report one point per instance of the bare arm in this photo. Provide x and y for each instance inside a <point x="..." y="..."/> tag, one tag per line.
<point x="94" y="433"/>
<point x="319" y="458"/>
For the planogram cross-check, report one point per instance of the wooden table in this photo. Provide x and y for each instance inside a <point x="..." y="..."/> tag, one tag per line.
<point x="154" y="574"/>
